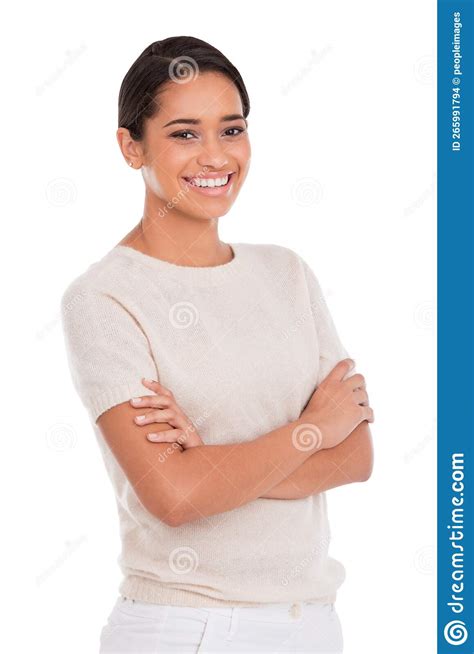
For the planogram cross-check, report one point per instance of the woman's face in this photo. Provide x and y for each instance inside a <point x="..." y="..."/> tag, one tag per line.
<point x="198" y="134"/>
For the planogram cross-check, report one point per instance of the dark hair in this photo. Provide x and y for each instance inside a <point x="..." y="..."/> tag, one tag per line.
<point x="173" y="59"/>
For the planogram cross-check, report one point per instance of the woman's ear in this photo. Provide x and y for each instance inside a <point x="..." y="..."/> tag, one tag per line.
<point x="132" y="150"/>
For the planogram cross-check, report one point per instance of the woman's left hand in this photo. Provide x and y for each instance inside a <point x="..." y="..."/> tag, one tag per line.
<point x="165" y="409"/>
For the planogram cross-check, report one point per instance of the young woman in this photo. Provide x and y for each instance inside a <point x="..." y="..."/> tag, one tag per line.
<point x="217" y="386"/>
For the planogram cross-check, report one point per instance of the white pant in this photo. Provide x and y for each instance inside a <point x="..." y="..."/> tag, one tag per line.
<point x="141" y="628"/>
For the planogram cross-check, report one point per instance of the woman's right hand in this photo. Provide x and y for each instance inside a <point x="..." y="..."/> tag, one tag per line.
<point x="338" y="405"/>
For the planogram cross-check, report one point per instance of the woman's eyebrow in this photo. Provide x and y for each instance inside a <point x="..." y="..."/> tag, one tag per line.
<point x="196" y="121"/>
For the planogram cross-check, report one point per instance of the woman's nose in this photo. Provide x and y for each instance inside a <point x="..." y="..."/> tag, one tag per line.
<point x="212" y="154"/>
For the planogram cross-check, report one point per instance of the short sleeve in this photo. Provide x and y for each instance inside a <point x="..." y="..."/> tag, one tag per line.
<point x="107" y="350"/>
<point x="331" y="349"/>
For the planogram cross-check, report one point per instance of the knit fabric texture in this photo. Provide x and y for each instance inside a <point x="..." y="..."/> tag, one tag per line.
<point x="242" y="346"/>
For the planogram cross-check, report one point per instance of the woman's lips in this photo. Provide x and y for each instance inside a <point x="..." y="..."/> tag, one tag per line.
<point x="211" y="190"/>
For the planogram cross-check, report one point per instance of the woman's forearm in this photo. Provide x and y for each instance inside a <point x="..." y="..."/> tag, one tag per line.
<point x="210" y="479"/>
<point x="348" y="462"/>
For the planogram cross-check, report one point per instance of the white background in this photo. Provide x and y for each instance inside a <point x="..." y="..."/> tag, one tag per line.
<point x="342" y="127"/>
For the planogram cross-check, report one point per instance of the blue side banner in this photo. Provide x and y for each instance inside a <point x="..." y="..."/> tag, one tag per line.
<point x="455" y="557"/>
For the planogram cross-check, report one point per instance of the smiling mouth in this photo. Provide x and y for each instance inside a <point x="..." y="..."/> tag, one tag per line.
<point x="189" y="180"/>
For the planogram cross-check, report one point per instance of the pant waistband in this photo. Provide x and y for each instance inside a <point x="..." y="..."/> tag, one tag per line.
<point x="272" y="612"/>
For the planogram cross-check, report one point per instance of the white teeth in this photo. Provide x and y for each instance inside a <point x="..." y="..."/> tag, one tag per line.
<point x="210" y="183"/>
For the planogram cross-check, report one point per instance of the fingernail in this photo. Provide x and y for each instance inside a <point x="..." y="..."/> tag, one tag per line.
<point x="153" y="437"/>
<point x="136" y="400"/>
<point x="140" y="418"/>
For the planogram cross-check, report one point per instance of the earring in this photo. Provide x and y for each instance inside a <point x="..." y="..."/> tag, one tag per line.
<point x="130" y="163"/>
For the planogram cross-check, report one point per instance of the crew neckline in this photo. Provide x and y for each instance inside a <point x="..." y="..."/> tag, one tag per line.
<point x="198" y="275"/>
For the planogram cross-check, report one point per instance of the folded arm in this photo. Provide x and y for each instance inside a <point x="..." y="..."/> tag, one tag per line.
<point x="181" y="486"/>
<point x="350" y="461"/>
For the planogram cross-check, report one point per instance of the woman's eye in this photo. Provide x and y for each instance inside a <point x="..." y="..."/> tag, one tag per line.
<point x="179" y="135"/>
<point x="239" y="130"/>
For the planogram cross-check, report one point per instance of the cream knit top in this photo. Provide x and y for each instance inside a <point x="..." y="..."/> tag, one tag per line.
<point x="242" y="346"/>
